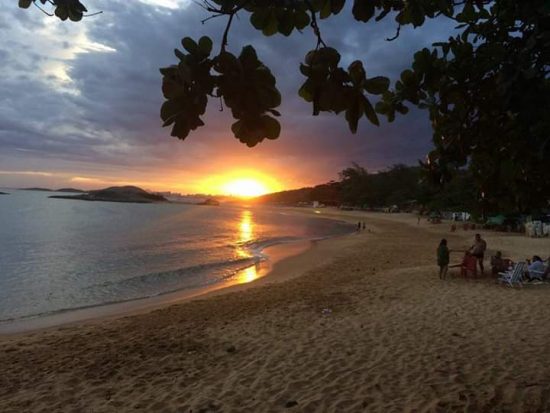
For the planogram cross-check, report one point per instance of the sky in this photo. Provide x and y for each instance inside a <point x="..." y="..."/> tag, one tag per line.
<point x="79" y="102"/>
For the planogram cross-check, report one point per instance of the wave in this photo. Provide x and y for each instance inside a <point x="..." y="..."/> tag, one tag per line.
<point x="159" y="279"/>
<point x="156" y="284"/>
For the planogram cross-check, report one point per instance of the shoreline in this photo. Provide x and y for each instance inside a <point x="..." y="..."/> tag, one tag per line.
<point x="369" y="327"/>
<point x="255" y="275"/>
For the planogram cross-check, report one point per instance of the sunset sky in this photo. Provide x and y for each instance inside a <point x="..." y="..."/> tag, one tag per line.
<point x="79" y="102"/>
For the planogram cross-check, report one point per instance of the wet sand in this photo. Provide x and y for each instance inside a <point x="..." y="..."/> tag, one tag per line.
<point x="358" y="323"/>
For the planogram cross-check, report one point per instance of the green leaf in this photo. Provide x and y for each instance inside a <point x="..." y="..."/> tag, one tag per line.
<point x="305" y="91"/>
<point x="337" y="5"/>
<point x="75" y="15"/>
<point x="205" y="45"/>
<point x="357" y="72"/>
<point x="226" y="62"/>
<point x="272" y="127"/>
<point x="325" y="10"/>
<point x="25" y="4"/>
<point x="168" y="112"/>
<point x="377" y="85"/>
<point x="286" y="23"/>
<point x="305" y="70"/>
<point x="369" y="111"/>
<point x="62" y="13"/>
<point x="249" y="58"/>
<point x="363" y="10"/>
<point x="330" y="55"/>
<point x="179" y="54"/>
<point x="190" y="45"/>
<point x="181" y="129"/>
<point x="272" y="25"/>
<point x="301" y="19"/>
<point x="258" y="18"/>
<point x="353" y="114"/>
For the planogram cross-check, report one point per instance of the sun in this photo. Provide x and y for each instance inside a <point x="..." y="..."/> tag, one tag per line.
<point x="245" y="188"/>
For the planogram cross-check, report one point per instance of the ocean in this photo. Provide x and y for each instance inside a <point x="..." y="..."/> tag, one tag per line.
<point x="60" y="255"/>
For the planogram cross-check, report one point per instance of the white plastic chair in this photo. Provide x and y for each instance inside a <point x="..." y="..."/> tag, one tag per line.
<point x="514" y="276"/>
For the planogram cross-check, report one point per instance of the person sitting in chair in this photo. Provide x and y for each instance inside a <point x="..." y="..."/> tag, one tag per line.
<point x="535" y="269"/>
<point x="498" y="264"/>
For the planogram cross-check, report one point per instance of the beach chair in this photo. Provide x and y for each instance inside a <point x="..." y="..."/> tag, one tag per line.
<point x="514" y="276"/>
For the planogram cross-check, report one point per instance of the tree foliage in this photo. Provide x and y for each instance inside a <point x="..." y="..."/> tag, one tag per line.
<point x="487" y="89"/>
<point x="401" y="185"/>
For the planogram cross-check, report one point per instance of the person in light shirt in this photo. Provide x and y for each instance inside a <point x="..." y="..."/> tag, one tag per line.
<point x="536" y="268"/>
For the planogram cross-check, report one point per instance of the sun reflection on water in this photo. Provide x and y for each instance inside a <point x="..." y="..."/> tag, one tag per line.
<point x="246" y="227"/>
<point x="248" y="274"/>
<point x="245" y="235"/>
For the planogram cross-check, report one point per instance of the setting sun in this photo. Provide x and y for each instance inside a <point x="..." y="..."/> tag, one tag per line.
<point x="245" y="183"/>
<point x="245" y="188"/>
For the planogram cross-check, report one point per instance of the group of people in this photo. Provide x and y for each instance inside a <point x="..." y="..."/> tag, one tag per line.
<point x="476" y="251"/>
<point x="536" y="267"/>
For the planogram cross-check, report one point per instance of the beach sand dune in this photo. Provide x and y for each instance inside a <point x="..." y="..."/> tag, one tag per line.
<point x="374" y="329"/>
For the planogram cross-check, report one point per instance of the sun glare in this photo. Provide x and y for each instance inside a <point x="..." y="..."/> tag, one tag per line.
<point x="245" y="188"/>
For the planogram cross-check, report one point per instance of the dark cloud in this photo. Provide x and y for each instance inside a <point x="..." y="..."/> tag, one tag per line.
<point x="107" y="113"/>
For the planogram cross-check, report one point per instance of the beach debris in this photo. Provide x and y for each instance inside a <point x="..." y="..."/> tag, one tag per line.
<point x="230" y="348"/>
<point x="291" y="403"/>
<point x="326" y="311"/>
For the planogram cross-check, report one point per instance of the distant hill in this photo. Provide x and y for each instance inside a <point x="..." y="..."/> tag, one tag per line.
<point x="74" y="190"/>
<point x="117" y="194"/>
<point x="36" y="189"/>
<point x="328" y="194"/>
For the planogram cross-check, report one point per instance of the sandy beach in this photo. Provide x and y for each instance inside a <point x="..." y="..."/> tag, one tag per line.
<point x="354" y="324"/>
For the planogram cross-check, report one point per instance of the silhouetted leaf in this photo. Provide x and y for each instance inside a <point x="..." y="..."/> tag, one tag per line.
<point x="363" y="10"/>
<point x="190" y="45"/>
<point x="377" y="85"/>
<point x="205" y="45"/>
<point x="24" y="4"/>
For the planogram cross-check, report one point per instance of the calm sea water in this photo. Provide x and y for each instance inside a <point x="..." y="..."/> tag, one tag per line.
<point x="58" y="255"/>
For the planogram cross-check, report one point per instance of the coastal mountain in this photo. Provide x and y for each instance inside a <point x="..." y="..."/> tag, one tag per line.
<point x="117" y="194"/>
<point x="328" y="194"/>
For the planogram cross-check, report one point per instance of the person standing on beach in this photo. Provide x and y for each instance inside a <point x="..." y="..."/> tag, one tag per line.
<point x="443" y="259"/>
<point x="359" y="226"/>
<point x="478" y="251"/>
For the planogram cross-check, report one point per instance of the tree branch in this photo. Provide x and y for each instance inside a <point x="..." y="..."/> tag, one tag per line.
<point x="391" y="39"/>
<point x="226" y="32"/>
<point x="315" y="25"/>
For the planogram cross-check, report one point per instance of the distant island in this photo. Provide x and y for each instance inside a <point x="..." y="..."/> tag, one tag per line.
<point x="116" y="194"/>
<point x="209" y="201"/>
<point x="4" y="193"/>
<point x="36" y="189"/>
<point x="73" y="190"/>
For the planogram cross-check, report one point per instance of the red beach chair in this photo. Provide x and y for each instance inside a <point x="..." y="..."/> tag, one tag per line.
<point x="469" y="265"/>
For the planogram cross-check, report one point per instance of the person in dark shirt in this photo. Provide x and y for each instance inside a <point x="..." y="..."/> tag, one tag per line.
<point x="443" y="259"/>
<point x="498" y="264"/>
<point x="478" y="251"/>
